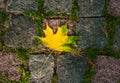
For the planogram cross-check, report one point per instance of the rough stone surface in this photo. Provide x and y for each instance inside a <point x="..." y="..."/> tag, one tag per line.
<point x="35" y="63"/>
<point x="114" y="7"/>
<point x="88" y="8"/>
<point x="117" y="38"/>
<point x="58" y="6"/>
<point x="21" y="32"/>
<point x="9" y="66"/>
<point x="55" y="23"/>
<point x="71" y="69"/>
<point x="3" y="4"/>
<point x="108" y="70"/>
<point x="90" y="30"/>
<point x="22" y="5"/>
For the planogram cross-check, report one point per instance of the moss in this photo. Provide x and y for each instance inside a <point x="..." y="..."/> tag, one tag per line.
<point x="91" y="54"/>
<point x="55" y="15"/>
<point x="1" y="46"/>
<point x="74" y="12"/>
<point x="109" y="28"/>
<point x="55" y="78"/>
<point x="89" y="75"/>
<point x="3" y="18"/>
<point x="25" y="75"/>
<point x="105" y="9"/>
<point x="110" y="25"/>
<point x="2" y="32"/>
<point x="110" y="52"/>
<point x="41" y="7"/>
<point x="4" y="79"/>
<point x="23" y="55"/>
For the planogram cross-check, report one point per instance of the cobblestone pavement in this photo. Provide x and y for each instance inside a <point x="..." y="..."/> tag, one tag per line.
<point x="21" y="22"/>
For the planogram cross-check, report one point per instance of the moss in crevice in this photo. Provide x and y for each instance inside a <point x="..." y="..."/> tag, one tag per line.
<point x="89" y="74"/>
<point x="23" y="55"/>
<point x="91" y="54"/>
<point x="41" y="7"/>
<point x="24" y="75"/>
<point x="109" y="28"/>
<point x="2" y="32"/>
<point x="55" y="15"/>
<point x="105" y="9"/>
<point x="74" y="12"/>
<point x="108" y="51"/>
<point x="3" y="19"/>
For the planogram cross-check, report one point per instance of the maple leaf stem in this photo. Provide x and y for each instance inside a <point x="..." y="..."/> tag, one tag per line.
<point x="41" y="69"/>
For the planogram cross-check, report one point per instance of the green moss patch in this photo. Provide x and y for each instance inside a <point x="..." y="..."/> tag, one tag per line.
<point x="109" y="28"/>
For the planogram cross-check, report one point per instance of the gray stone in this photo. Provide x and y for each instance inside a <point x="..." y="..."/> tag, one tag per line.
<point x="3" y="4"/>
<point x="21" y="32"/>
<point x="91" y="33"/>
<point x="22" y="5"/>
<point x="88" y="8"/>
<point x="35" y="63"/>
<point x="108" y="70"/>
<point x="117" y="38"/>
<point x="71" y="69"/>
<point x="58" y="6"/>
<point x="114" y="7"/>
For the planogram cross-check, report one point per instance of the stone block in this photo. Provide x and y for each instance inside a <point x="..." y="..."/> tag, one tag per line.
<point x="108" y="70"/>
<point x="114" y="7"/>
<point x="90" y="8"/>
<point x="9" y="66"/>
<point x="22" y="5"/>
<point x="91" y="33"/>
<point x="35" y="63"/>
<point x="21" y="33"/>
<point x="71" y="69"/>
<point x="58" y="6"/>
<point x="3" y="5"/>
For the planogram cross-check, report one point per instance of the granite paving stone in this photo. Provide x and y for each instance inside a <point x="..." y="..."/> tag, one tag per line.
<point x="71" y="69"/>
<point x="91" y="33"/>
<point x="108" y="70"/>
<point x="21" y="33"/>
<point x="114" y="7"/>
<point x="35" y="63"/>
<point x="90" y="8"/>
<point x="9" y="66"/>
<point x="58" y="6"/>
<point x="22" y="5"/>
<point x="3" y="5"/>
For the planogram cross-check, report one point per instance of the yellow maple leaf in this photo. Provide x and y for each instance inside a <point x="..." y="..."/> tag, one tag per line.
<point x="59" y="41"/>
